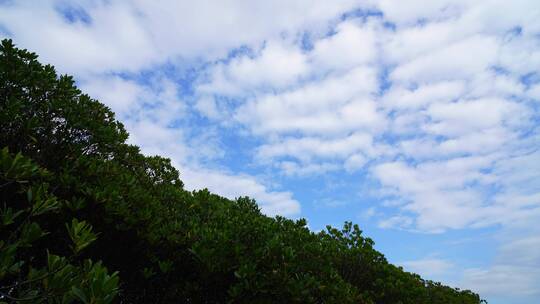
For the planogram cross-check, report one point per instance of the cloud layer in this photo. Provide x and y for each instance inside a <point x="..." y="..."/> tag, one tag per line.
<point x="436" y="104"/>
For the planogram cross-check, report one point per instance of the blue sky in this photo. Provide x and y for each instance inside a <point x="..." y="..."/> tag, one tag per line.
<point x="419" y="120"/>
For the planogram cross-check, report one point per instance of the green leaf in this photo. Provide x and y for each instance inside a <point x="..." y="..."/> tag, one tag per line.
<point x="80" y="294"/>
<point x="43" y="205"/>
<point x="9" y="216"/>
<point x="30" y="233"/>
<point x="80" y="234"/>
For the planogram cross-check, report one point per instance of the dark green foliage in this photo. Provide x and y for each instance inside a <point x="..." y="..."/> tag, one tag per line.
<point x="87" y="218"/>
<point x="29" y="272"/>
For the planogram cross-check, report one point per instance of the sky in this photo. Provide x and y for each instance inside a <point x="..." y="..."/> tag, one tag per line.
<point x="418" y="120"/>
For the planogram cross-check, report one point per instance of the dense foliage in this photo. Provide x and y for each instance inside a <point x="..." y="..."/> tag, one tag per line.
<point x="86" y="218"/>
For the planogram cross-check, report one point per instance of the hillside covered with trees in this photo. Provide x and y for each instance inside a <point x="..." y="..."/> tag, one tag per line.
<point x="86" y="218"/>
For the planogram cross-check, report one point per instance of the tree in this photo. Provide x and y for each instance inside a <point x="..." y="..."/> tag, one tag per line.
<point x="87" y="218"/>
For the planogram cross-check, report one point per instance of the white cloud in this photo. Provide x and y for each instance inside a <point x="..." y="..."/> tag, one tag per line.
<point x="413" y="42"/>
<point x="350" y="46"/>
<point x="234" y="185"/>
<point x="156" y="139"/>
<point x="115" y="39"/>
<point x="482" y="142"/>
<point x="412" y="11"/>
<point x="397" y="221"/>
<point x="534" y="92"/>
<point x="438" y="191"/>
<point x="312" y="108"/>
<point x="132" y="35"/>
<point x="457" y="193"/>
<point x="368" y="213"/>
<point x="521" y="54"/>
<point x="462" y="59"/>
<point x="503" y="281"/>
<point x="468" y="116"/>
<point x="210" y="27"/>
<point x="276" y="65"/>
<point x="292" y="168"/>
<point x="355" y="162"/>
<point x="207" y="106"/>
<point x="521" y="188"/>
<point x="495" y="84"/>
<point x="306" y="148"/>
<point x="119" y="94"/>
<point x="516" y="270"/>
<point x="401" y="98"/>
<point x="428" y="267"/>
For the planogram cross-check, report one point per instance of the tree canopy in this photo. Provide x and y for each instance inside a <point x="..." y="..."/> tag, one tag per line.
<point x="87" y="218"/>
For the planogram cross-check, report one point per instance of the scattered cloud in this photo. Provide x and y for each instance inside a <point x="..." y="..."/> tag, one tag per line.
<point x="433" y="104"/>
<point x="515" y="272"/>
<point x="428" y="267"/>
<point x="234" y="185"/>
